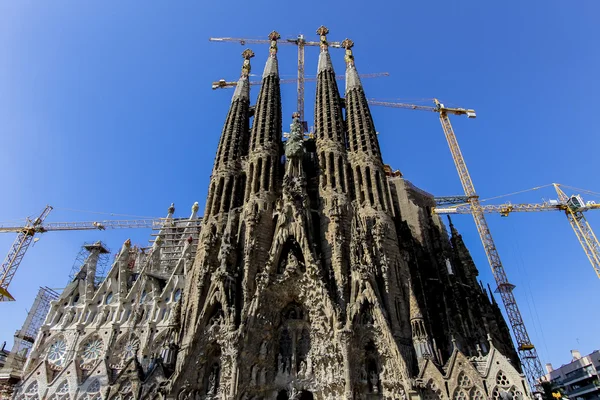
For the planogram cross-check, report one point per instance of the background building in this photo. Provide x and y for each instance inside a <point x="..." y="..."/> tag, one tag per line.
<point x="579" y="379"/>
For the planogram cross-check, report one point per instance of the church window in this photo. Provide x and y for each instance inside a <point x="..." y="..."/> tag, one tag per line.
<point x="62" y="393"/>
<point x="251" y="175"/>
<point x="476" y="394"/>
<point x="258" y="175"/>
<point x="131" y="348"/>
<point x="31" y="393"/>
<point x="379" y="190"/>
<point x="143" y="296"/>
<point x="331" y="165"/>
<point x="57" y="352"/>
<point x="464" y="381"/>
<point x="323" y="169"/>
<point x="360" y="188"/>
<point x="267" y="174"/>
<point x="461" y="395"/>
<point x="228" y="192"/>
<point x="177" y="295"/>
<point x="369" y="186"/>
<point x="342" y="178"/>
<point x="501" y="379"/>
<point x="91" y="350"/>
<point x="108" y="298"/>
<point x="92" y="392"/>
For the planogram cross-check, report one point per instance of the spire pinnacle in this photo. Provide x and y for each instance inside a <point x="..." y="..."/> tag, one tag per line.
<point x="247" y="55"/>
<point x="352" y="79"/>
<point x="324" y="58"/>
<point x="273" y="37"/>
<point x="323" y="31"/>
<point x="242" y="89"/>
<point x="348" y="45"/>
<point x="272" y="68"/>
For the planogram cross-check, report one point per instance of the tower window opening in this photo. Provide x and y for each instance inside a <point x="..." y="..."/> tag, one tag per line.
<point x="332" y="170"/>
<point x="267" y="174"/>
<point x="258" y="173"/>
<point x="359" y="179"/>
<point x="369" y="185"/>
<point x="342" y="177"/>
<point x="227" y="198"/>
<point x="379" y="189"/>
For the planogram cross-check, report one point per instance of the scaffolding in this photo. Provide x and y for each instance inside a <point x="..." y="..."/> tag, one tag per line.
<point x="101" y="265"/>
<point x="25" y="337"/>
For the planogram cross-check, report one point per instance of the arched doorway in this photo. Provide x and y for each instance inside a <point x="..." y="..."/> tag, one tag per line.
<point x="306" y="395"/>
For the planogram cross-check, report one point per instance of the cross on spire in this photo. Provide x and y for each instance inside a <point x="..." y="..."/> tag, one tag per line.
<point x="273" y="37"/>
<point x="247" y="55"/>
<point x="348" y="45"/>
<point x="323" y="31"/>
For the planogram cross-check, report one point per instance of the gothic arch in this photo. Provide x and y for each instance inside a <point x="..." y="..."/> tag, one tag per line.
<point x="62" y="392"/>
<point x="31" y="393"/>
<point x="291" y="256"/>
<point x="92" y="392"/>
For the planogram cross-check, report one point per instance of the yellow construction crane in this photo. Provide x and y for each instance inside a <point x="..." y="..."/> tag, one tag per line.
<point x="26" y="233"/>
<point x="299" y="41"/>
<point x="222" y="83"/>
<point x="573" y="207"/>
<point x="532" y="367"/>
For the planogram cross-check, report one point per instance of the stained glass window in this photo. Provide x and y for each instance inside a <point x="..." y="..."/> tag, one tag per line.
<point x="57" y="352"/>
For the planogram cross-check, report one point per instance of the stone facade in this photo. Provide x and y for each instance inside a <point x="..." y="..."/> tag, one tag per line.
<point x="318" y="274"/>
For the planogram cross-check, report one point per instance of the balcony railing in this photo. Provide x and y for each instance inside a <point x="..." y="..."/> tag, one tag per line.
<point x="583" y="373"/>
<point x="585" y="389"/>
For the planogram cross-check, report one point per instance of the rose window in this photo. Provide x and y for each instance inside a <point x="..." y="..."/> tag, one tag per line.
<point x="57" y="352"/>
<point x="131" y="348"/>
<point x="92" y="350"/>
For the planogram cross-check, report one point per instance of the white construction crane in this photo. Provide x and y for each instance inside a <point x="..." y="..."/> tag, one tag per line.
<point x="26" y="233"/>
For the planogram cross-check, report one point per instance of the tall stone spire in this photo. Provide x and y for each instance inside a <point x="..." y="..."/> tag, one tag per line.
<point x="374" y="213"/>
<point x="334" y="184"/>
<point x="362" y="140"/>
<point x="226" y="187"/>
<point x="265" y="137"/>
<point x="263" y="171"/>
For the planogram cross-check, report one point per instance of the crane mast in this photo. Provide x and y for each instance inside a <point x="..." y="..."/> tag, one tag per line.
<point x="17" y="251"/>
<point x="532" y="367"/>
<point x="573" y="206"/>
<point x="574" y="211"/>
<point x="301" y="42"/>
<point x="25" y="235"/>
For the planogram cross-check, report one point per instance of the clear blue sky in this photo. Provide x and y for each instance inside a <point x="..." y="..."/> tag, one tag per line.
<point x="106" y="106"/>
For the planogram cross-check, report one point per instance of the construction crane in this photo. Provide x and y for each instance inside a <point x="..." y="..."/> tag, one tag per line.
<point x="26" y="233"/>
<point x="299" y="41"/>
<point x="573" y="207"/>
<point x="222" y="83"/>
<point x="532" y="367"/>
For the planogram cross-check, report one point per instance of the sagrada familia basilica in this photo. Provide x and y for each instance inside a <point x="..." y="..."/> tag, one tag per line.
<point x="318" y="273"/>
